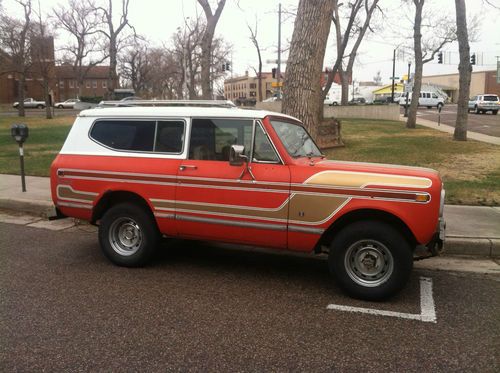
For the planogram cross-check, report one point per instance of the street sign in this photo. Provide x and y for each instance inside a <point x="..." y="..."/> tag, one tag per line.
<point x="408" y="88"/>
<point x="395" y="78"/>
<point x="276" y="84"/>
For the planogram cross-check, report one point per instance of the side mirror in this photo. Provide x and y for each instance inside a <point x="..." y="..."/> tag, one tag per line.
<point x="236" y="156"/>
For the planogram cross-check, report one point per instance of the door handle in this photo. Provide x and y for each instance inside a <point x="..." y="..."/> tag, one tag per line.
<point x="187" y="166"/>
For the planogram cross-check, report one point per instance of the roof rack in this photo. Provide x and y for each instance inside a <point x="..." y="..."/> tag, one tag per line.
<point x="195" y="103"/>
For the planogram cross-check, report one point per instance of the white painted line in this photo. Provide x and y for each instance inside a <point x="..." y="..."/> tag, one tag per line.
<point x="427" y="313"/>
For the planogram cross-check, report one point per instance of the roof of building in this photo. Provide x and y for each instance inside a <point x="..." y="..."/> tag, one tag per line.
<point x="179" y="112"/>
<point x="398" y="87"/>
<point x="474" y="72"/>
<point x="95" y="72"/>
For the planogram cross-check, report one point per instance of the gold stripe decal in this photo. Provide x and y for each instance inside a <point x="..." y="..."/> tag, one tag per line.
<point x="66" y="192"/>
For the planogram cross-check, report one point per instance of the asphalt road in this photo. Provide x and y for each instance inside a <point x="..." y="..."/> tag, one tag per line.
<point x="201" y="307"/>
<point x="487" y="124"/>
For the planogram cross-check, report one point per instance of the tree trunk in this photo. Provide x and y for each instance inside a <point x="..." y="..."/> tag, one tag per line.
<point x="464" y="69"/>
<point x="259" y="80"/>
<point x="344" y="83"/>
<point x="112" y="77"/>
<point x="20" y="94"/>
<point x="417" y="84"/>
<point x="48" y="103"/>
<point x="302" y="85"/>
<point x="206" y="45"/>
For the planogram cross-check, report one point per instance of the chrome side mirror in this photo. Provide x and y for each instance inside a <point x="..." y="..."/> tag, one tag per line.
<point x="236" y="156"/>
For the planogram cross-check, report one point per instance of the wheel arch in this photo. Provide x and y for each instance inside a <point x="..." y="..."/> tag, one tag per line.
<point x="113" y="197"/>
<point x="366" y="214"/>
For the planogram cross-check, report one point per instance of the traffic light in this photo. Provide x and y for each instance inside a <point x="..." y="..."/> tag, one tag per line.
<point x="223" y="67"/>
<point x="228" y="66"/>
<point x="274" y="73"/>
<point x="440" y="57"/>
<point x="473" y="59"/>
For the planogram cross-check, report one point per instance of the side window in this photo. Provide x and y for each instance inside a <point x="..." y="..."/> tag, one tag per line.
<point x="211" y="139"/>
<point x="125" y="134"/>
<point x="169" y="137"/>
<point x="263" y="150"/>
<point x="434" y="95"/>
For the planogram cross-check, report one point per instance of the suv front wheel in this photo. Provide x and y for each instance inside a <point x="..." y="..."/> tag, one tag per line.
<point x="128" y="235"/>
<point x="370" y="260"/>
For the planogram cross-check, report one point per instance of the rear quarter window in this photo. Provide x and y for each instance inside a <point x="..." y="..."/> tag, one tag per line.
<point x="124" y="134"/>
<point x="491" y="98"/>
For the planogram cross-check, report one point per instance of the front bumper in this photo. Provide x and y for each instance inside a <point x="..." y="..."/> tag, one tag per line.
<point x="435" y="246"/>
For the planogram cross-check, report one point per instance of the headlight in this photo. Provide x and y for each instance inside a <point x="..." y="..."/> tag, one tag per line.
<point x="441" y="203"/>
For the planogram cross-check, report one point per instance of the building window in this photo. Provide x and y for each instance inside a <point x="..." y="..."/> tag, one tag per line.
<point x="252" y="93"/>
<point x="87" y="84"/>
<point x="71" y="84"/>
<point x="253" y="85"/>
<point x="61" y="83"/>
<point x="104" y="84"/>
<point x="94" y="84"/>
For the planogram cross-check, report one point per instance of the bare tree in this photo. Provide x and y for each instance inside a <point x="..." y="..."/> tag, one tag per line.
<point x="206" y="44"/>
<point x="464" y="69"/>
<point x="14" y="37"/>
<point x="255" y="42"/>
<point x="43" y="62"/>
<point x="355" y="29"/>
<point x="114" y="40"/>
<point x="81" y="21"/>
<point x="302" y="87"/>
<point x="441" y="33"/>
<point x="135" y="67"/>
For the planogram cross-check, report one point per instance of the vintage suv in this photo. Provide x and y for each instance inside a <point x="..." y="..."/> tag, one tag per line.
<point x="247" y="177"/>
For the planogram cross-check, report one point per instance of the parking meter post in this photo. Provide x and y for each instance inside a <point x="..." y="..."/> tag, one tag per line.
<point x="21" y="159"/>
<point x="439" y="114"/>
<point x="20" y="133"/>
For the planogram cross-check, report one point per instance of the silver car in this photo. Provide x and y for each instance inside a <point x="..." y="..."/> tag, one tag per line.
<point x="483" y="103"/>
<point x="68" y="104"/>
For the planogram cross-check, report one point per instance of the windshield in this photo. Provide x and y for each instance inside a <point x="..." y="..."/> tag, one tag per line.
<point x="296" y="140"/>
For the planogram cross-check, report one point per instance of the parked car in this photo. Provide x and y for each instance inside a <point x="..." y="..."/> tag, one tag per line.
<point x="30" y="103"/>
<point x="68" y="104"/>
<point x="130" y="98"/>
<point x="357" y="101"/>
<point x="484" y="103"/>
<point x="330" y="101"/>
<point x="429" y="99"/>
<point x="247" y="177"/>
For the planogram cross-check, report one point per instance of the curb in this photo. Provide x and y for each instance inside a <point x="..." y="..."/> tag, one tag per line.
<point x="454" y="245"/>
<point x="485" y="247"/>
<point x="38" y="208"/>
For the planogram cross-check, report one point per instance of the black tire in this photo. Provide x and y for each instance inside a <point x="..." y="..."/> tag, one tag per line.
<point x="374" y="241"/>
<point x="40" y="106"/>
<point x="494" y="112"/>
<point x="60" y="107"/>
<point x="440" y="105"/>
<point x="128" y="235"/>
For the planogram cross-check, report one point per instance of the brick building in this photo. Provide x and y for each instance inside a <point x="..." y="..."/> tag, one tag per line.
<point x="62" y="78"/>
<point x="244" y="88"/>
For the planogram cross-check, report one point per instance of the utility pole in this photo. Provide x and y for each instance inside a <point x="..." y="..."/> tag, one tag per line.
<point x="393" y="74"/>
<point x="278" y="70"/>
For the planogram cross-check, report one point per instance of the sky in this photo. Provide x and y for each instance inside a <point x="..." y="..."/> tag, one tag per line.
<point x="157" y="20"/>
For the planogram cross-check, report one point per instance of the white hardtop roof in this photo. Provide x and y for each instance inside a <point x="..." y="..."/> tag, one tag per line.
<point x="179" y="112"/>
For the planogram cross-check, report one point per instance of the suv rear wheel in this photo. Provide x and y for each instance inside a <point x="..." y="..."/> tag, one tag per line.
<point x="370" y="260"/>
<point x="128" y="235"/>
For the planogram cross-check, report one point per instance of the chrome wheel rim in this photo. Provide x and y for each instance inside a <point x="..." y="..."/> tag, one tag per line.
<point x="369" y="263"/>
<point x="125" y="236"/>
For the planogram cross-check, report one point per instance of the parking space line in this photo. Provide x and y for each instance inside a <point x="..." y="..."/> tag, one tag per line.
<point x="427" y="307"/>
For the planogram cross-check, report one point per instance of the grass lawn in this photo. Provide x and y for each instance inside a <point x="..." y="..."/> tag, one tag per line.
<point x="471" y="170"/>
<point x="46" y="137"/>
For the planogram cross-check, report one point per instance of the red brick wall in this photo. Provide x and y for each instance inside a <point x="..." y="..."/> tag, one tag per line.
<point x="490" y="84"/>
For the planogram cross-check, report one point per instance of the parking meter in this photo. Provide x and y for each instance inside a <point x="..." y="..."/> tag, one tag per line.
<point x="439" y="114"/>
<point x="20" y="133"/>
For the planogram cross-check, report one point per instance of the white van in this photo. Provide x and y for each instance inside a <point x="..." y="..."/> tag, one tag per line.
<point x="429" y="99"/>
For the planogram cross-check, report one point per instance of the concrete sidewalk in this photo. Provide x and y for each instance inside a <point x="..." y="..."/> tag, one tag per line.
<point x="449" y="129"/>
<point x="471" y="230"/>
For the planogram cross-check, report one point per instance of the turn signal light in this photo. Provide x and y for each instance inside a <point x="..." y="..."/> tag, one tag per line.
<point x="422" y="198"/>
